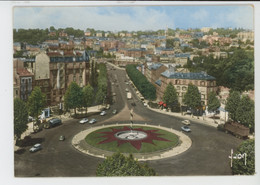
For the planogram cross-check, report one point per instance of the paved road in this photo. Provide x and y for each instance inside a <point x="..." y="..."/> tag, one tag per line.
<point x="208" y="154"/>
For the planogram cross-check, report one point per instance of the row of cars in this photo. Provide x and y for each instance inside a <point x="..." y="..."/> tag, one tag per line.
<point x="93" y="120"/>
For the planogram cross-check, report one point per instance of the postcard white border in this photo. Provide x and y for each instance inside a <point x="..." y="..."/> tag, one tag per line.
<point x="6" y="108"/>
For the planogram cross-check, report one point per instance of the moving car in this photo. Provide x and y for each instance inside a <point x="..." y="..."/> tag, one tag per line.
<point x="84" y="120"/>
<point x="186" y="128"/>
<point x="186" y="122"/>
<point x="103" y="113"/>
<point x="53" y="122"/>
<point x="62" y="138"/>
<point x="36" y="147"/>
<point x="92" y="121"/>
<point x="114" y="111"/>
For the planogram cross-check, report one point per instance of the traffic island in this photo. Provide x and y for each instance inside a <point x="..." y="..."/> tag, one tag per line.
<point x="145" y="142"/>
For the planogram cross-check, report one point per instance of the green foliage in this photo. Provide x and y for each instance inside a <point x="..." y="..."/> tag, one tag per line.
<point x="20" y="117"/>
<point x="235" y="72"/>
<point x="102" y="83"/>
<point x="119" y="165"/>
<point x="170" y="96"/>
<point x="241" y="110"/>
<point x="238" y="166"/>
<point x="169" y="43"/>
<point x="213" y="102"/>
<point x="245" y="112"/>
<point x="141" y="82"/>
<point x="30" y="36"/>
<point x="72" y="31"/>
<point x="36" y="102"/>
<point x="73" y="97"/>
<point x="232" y="104"/>
<point x="88" y="95"/>
<point x="192" y="97"/>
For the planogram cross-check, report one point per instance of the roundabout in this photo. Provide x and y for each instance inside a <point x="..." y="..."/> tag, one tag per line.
<point x="145" y="142"/>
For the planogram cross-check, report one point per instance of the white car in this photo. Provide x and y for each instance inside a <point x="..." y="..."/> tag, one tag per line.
<point x="84" y="120"/>
<point x="186" y="128"/>
<point x="36" y="147"/>
<point x="126" y="90"/>
<point x="103" y="113"/>
<point x="145" y="104"/>
<point x="92" y="121"/>
<point x="186" y="122"/>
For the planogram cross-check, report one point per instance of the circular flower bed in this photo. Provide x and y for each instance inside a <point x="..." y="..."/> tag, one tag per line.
<point x="139" y="139"/>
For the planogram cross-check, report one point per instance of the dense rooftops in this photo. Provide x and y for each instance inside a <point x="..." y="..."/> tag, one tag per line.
<point x="68" y="56"/>
<point x="191" y="76"/>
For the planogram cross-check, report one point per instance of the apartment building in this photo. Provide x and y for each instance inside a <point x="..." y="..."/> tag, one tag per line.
<point x="54" y="71"/>
<point x="180" y="81"/>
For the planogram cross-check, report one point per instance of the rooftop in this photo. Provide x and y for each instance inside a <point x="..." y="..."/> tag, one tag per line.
<point x="192" y="76"/>
<point x="24" y="72"/>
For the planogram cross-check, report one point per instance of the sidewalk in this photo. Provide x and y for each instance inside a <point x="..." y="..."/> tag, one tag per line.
<point x="201" y="119"/>
<point x="63" y="117"/>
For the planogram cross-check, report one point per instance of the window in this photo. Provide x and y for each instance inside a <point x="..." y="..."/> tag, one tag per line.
<point x="202" y="83"/>
<point x="178" y="87"/>
<point x="74" y="78"/>
<point x="184" y="88"/>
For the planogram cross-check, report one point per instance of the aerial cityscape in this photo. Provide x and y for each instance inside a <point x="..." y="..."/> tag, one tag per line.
<point x="133" y="91"/>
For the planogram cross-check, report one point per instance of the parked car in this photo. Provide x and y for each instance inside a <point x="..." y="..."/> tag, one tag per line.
<point x="145" y="104"/>
<point x="103" y="113"/>
<point x="84" y="120"/>
<point x="36" y="147"/>
<point x="186" y="122"/>
<point x="126" y="90"/>
<point x="92" y="121"/>
<point x="107" y="107"/>
<point x="186" y="128"/>
<point x="62" y="138"/>
<point x="114" y="111"/>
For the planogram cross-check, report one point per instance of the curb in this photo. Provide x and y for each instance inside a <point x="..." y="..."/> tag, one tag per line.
<point x="204" y="122"/>
<point x="184" y="145"/>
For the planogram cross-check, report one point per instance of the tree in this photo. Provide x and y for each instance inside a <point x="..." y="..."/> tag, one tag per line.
<point x="73" y="97"/>
<point x="238" y="166"/>
<point x="88" y="95"/>
<point x="119" y="165"/>
<point x="20" y="117"/>
<point x="36" y="103"/>
<point x="213" y="102"/>
<point x="232" y="104"/>
<point x="192" y="97"/>
<point x="245" y="112"/>
<point x="170" y="96"/>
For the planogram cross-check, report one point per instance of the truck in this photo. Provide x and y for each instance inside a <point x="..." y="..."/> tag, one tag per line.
<point x="129" y="96"/>
<point x="236" y="129"/>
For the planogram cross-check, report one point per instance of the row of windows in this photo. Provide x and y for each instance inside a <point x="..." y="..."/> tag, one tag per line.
<point x="200" y="83"/>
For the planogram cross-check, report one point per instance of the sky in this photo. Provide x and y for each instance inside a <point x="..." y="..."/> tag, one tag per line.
<point x="133" y="18"/>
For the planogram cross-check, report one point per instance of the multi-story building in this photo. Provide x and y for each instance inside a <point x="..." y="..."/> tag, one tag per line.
<point x="152" y="71"/>
<point x="54" y="71"/>
<point x="246" y="36"/>
<point x="180" y="81"/>
<point x="23" y="80"/>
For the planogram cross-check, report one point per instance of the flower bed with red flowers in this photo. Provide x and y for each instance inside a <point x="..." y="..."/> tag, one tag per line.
<point x="155" y="140"/>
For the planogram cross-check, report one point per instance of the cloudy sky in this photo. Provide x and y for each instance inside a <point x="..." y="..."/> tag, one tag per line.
<point x="134" y="17"/>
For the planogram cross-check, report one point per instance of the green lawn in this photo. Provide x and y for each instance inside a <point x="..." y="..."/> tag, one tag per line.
<point x="94" y="138"/>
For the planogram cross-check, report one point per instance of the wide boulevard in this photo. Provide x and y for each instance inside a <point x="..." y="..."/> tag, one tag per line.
<point x="208" y="154"/>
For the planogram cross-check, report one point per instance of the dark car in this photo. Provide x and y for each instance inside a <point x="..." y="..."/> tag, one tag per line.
<point x="53" y="122"/>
